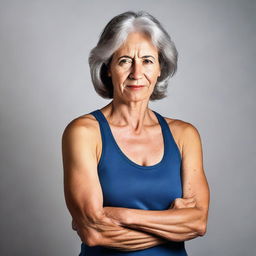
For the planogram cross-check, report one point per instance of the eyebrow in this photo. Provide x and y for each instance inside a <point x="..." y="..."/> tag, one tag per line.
<point x="143" y="57"/>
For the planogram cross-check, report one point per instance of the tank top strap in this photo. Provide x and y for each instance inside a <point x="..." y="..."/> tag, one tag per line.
<point x="102" y="123"/>
<point x="163" y="123"/>
<point x="98" y="116"/>
<point x="171" y="145"/>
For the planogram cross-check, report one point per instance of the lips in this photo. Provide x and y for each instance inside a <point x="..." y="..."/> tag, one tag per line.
<point x="134" y="86"/>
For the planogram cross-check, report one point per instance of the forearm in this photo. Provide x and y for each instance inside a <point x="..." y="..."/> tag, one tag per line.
<point x="105" y="232"/>
<point x="127" y="239"/>
<point x="172" y="224"/>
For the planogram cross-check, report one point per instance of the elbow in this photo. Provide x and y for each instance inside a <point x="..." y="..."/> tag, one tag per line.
<point x="91" y="239"/>
<point x="201" y="229"/>
<point x="202" y="225"/>
<point x="92" y="242"/>
<point x="91" y="235"/>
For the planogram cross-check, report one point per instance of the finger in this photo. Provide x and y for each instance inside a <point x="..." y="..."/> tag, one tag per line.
<point x="191" y="205"/>
<point x="190" y="199"/>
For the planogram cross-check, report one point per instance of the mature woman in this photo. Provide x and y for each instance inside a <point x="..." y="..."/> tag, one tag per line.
<point x="134" y="180"/>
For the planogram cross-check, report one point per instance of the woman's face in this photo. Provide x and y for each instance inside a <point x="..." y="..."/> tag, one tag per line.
<point x="134" y="68"/>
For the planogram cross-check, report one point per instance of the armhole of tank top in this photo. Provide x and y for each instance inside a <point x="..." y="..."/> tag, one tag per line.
<point x="172" y="138"/>
<point x="103" y="144"/>
<point x="176" y="146"/>
<point x="102" y="135"/>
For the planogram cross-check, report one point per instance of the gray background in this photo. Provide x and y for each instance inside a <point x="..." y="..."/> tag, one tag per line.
<point x="45" y="83"/>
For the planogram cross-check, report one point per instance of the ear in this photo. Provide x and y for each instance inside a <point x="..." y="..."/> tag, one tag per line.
<point x="159" y="72"/>
<point x="108" y="64"/>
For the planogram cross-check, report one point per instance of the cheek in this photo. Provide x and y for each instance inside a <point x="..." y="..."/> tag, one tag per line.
<point x="121" y="75"/>
<point x="152" y="75"/>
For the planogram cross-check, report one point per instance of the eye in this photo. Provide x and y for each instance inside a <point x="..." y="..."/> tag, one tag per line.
<point x="148" y="61"/>
<point x="125" y="61"/>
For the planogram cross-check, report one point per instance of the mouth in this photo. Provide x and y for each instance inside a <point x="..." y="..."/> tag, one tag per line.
<point x="134" y="86"/>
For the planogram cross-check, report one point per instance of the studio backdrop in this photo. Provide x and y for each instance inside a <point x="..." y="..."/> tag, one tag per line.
<point x="45" y="83"/>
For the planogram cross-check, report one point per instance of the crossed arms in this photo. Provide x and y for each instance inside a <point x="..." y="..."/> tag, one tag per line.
<point x="123" y="228"/>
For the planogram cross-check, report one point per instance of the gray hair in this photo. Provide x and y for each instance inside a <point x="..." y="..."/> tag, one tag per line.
<point x="113" y="36"/>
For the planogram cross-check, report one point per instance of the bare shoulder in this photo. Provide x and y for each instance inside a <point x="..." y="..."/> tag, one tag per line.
<point x="180" y="127"/>
<point x="182" y="131"/>
<point x="85" y="126"/>
<point x="86" y="121"/>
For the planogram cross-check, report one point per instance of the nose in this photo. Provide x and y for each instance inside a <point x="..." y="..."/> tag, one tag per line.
<point x="136" y="71"/>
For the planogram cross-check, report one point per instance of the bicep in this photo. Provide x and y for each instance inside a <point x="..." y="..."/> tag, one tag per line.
<point x="82" y="188"/>
<point x="194" y="179"/>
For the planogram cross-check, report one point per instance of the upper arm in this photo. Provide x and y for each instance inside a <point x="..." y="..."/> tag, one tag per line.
<point x="82" y="188"/>
<point x="194" y="180"/>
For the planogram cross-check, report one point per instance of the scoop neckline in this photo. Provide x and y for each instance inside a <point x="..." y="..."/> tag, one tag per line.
<point x="131" y="162"/>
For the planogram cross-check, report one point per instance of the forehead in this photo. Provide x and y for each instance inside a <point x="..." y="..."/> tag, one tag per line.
<point x="137" y="43"/>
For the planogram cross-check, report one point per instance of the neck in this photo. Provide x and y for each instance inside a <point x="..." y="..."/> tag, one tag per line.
<point x="135" y="115"/>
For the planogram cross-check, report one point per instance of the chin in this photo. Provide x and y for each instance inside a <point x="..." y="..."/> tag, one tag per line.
<point x="137" y="97"/>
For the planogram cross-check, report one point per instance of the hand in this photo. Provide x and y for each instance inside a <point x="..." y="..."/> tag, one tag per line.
<point x="116" y="214"/>
<point x="92" y="231"/>
<point x="180" y="203"/>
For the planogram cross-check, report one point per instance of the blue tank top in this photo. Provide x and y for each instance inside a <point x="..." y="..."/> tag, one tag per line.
<point x="127" y="184"/>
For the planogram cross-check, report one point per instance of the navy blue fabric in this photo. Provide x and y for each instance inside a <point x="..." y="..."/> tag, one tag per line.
<point x="127" y="184"/>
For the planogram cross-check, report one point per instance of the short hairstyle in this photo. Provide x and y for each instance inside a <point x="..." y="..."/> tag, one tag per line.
<point x="113" y="36"/>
